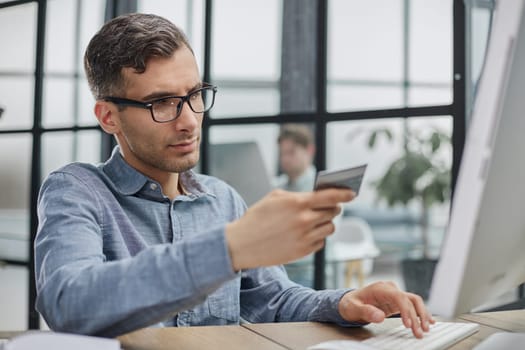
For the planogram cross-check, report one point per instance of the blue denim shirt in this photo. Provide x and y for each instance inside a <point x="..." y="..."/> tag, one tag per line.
<point x="114" y="254"/>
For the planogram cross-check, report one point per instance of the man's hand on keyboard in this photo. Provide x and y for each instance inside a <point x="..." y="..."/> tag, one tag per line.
<point x="379" y="300"/>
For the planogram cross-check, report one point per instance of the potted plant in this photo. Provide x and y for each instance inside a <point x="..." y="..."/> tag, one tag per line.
<point x="419" y="175"/>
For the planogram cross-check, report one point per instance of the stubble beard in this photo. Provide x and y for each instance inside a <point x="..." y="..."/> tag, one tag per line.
<point x="175" y="164"/>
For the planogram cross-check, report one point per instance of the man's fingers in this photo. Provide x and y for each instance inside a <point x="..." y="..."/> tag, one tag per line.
<point x="409" y="315"/>
<point x="313" y="218"/>
<point x="330" y="197"/>
<point x="425" y="317"/>
<point x="420" y="318"/>
<point x="321" y="231"/>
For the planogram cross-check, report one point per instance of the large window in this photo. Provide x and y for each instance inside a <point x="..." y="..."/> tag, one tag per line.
<point x="47" y="122"/>
<point x="390" y="55"/>
<point x="245" y="57"/>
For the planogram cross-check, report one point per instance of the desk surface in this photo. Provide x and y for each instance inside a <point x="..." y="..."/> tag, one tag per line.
<point x="188" y="338"/>
<point x="298" y="335"/>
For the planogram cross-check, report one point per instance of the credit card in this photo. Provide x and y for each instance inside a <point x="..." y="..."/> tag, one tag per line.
<point x="341" y="178"/>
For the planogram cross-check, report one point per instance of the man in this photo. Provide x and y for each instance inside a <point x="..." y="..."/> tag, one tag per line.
<point x="142" y="240"/>
<point x="296" y="154"/>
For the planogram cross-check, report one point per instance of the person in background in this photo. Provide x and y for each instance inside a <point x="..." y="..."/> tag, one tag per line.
<point x="296" y="154"/>
<point x="142" y="240"/>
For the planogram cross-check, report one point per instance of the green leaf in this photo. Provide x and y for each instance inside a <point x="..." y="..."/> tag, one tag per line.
<point x="372" y="139"/>
<point x="435" y="141"/>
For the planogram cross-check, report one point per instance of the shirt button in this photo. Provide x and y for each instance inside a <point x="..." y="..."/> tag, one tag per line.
<point x="153" y="186"/>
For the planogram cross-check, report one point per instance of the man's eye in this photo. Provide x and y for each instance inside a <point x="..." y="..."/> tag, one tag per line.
<point x="167" y="102"/>
<point x="196" y="95"/>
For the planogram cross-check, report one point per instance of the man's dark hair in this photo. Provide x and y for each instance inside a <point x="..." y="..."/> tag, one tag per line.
<point x="128" y="41"/>
<point x="297" y="133"/>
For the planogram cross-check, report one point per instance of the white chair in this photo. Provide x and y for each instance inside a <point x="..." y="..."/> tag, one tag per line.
<point x="353" y="243"/>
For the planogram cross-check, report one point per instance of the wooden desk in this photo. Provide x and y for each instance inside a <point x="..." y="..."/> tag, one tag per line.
<point x="511" y="321"/>
<point x="298" y="335"/>
<point x="197" y="338"/>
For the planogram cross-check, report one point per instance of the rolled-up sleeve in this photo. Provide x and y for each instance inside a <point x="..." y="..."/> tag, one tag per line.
<point x="268" y="295"/>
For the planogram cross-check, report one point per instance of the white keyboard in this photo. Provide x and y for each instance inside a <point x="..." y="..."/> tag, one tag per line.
<point x="441" y="336"/>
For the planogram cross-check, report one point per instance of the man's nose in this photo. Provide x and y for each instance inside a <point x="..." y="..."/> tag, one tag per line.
<point x="187" y="119"/>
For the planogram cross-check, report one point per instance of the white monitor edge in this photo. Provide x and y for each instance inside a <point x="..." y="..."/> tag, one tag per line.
<point x="447" y="295"/>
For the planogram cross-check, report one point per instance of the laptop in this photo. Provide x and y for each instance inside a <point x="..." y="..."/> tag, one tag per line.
<point x="241" y="165"/>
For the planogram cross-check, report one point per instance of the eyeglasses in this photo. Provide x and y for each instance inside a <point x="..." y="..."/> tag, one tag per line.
<point x="166" y="109"/>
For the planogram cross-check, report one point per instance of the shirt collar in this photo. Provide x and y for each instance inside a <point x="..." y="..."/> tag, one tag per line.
<point x="129" y="181"/>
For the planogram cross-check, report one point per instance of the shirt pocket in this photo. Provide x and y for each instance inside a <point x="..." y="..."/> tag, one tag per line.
<point x="224" y="302"/>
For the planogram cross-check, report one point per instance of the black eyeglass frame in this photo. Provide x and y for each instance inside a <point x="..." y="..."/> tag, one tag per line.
<point x="120" y="101"/>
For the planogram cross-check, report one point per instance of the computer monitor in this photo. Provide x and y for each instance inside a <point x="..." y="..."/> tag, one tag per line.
<point x="241" y="165"/>
<point x="483" y="255"/>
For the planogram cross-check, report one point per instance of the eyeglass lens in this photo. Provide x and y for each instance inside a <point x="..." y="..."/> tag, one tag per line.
<point x="167" y="109"/>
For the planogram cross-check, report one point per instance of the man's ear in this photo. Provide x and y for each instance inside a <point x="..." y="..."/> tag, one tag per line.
<point x="107" y="116"/>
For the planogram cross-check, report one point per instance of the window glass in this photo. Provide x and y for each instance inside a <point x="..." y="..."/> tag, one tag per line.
<point x="430" y="41"/>
<point x="429" y="95"/>
<point x="176" y="10"/>
<point x="186" y="14"/>
<point x="366" y="57"/>
<point x="18" y="48"/>
<point x="67" y="99"/>
<point x="86" y="104"/>
<point x="246" y="39"/>
<point x="88" y="146"/>
<point x="430" y="50"/>
<point x="14" y="296"/>
<point x="15" y="156"/>
<point x="242" y="102"/>
<point x="58" y="102"/>
<point x="365" y="54"/>
<point x="17" y="61"/>
<point x="61" y="38"/>
<point x="365" y="40"/>
<point x="16" y="98"/>
<point x="61" y="148"/>
<point x="342" y="97"/>
<point x="397" y="230"/>
<point x="91" y="19"/>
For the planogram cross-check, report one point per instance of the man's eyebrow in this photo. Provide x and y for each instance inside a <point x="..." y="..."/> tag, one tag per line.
<point x="160" y="94"/>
